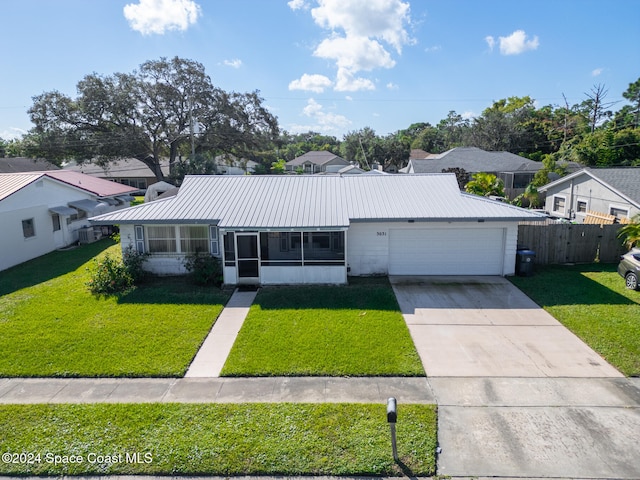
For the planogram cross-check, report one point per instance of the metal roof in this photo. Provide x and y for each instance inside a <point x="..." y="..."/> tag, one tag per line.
<point x="316" y="201"/>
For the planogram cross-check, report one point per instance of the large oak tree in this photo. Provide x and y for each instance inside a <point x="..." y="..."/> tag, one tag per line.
<point x="166" y="108"/>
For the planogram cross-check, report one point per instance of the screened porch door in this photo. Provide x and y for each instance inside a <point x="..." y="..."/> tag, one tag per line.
<point x="248" y="260"/>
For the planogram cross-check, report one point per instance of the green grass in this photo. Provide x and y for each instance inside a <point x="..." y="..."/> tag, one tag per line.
<point x="354" y="330"/>
<point x="51" y="325"/>
<point x="218" y="439"/>
<point x="592" y="301"/>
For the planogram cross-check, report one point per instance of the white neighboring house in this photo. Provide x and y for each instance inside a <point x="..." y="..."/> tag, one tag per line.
<point x="43" y="211"/>
<point x="303" y="229"/>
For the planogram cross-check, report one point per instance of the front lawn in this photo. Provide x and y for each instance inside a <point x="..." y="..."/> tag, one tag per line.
<point x="50" y="325"/>
<point x="354" y="330"/>
<point x="215" y="439"/>
<point x="592" y="301"/>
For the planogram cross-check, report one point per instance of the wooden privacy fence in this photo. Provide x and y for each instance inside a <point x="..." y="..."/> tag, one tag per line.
<point x="557" y="243"/>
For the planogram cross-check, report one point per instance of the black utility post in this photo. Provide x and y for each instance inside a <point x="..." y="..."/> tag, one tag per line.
<point x="392" y="416"/>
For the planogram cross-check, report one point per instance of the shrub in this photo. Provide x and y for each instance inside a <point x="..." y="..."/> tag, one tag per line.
<point x="205" y="269"/>
<point x="111" y="276"/>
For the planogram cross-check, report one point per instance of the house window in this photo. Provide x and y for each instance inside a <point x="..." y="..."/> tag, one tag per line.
<point x="185" y="239"/>
<point x="281" y="248"/>
<point x="55" y="218"/>
<point x="28" y="228"/>
<point x="619" y="212"/>
<point x="194" y="239"/>
<point x="161" y="239"/>
<point x="558" y="204"/>
<point x="581" y="206"/>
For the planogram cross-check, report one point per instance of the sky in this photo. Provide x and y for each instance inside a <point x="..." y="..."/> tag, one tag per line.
<point x="330" y="66"/>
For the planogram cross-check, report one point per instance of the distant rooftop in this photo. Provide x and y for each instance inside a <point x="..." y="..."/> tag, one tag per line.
<point x="23" y="164"/>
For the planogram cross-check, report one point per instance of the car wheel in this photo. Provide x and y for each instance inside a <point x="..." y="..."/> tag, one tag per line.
<point x="631" y="280"/>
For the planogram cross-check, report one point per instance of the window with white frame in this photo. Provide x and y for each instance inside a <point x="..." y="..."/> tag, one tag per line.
<point x="55" y="219"/>
<point x="619" y="211"/>
<point x="581" y="206"/>
<point x="185" y="239"/>
<point x="194" y="238"/>
<point x="28" y="228"/>
<point x="558" y="203"/>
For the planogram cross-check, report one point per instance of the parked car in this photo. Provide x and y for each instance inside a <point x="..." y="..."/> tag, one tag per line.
<point x="629" y="268"/>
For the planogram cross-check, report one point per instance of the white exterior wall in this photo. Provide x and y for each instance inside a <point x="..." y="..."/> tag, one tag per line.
<point x="320" y="274"/>
<point x="34" y="201"/>
<point x="368" y="244"/>
<point x="585" y="189"/>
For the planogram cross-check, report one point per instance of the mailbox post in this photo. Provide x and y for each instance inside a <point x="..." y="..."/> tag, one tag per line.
<point x="392" y="417"/>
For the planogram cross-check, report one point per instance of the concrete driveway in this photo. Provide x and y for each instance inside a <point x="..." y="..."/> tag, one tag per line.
<point x="519" y="396"/>
<point x="486" y="327"/>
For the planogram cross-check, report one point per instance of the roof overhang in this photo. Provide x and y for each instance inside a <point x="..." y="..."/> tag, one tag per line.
<point x="63" y="210"/>
<point x="89" y="206"/>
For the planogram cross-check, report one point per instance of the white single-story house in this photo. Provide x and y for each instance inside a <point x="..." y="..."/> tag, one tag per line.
<point x="43" y="211"/>
<point x="611" y="192"/>
<point x="300" y="229"/>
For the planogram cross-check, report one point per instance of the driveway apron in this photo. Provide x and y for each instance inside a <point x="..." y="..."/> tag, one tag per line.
<point x="518" y="394"/>
<point x="486" y="327"/>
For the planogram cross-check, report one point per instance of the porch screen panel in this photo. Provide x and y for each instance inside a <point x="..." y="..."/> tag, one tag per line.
<point x="324" y="248"/>
<point x="161" y="239"/>
<point x="194" y="238"/>
<point x="281" y="248"/>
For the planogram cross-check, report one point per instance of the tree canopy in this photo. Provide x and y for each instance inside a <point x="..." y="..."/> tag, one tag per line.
<point x="166" y="109"/>
<point x="170" y="109"/>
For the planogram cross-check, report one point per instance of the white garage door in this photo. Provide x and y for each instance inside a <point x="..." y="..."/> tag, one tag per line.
<point x="446" y="251"/>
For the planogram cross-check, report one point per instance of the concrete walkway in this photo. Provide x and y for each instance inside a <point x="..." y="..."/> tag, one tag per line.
<point x="219" y="390"/>
<point x="210" y="359"/>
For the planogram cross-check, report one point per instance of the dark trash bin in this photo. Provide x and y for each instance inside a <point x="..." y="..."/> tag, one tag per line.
<point x="524" y="262"/>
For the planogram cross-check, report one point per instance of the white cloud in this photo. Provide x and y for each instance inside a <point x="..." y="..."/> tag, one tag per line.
<point x="355" y="53"/>
<point x="312" y="83"/>
<point x="347" y="82"/>
<point x="297" y="4"/>
<point x="321" y="121"/>
<point x="435" y="48"/>
<point x="235" y="63"/>
<point x="596" y="72"/>
<point x="392" y="86"/>
<point x="159" y="16"/>
<point x="468" y="115"/>
<point x="382" y="19"/>
<point x="490" y="41"/>
<point x="517" y="43"/>
<point x="358" y="32"/>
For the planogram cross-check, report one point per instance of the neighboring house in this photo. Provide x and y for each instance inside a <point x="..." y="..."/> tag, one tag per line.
<point x="515" y="171"/>
<point x="130" y="171"/>
<point x="315" y="162"/>
<point x="595" y="192"/>
<point x="43" y="211"/>
<point x="22" y="164"/>
<point x="418" y="153"/>
<point x="302" y="229"/>
<point x="231" y="165"/>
